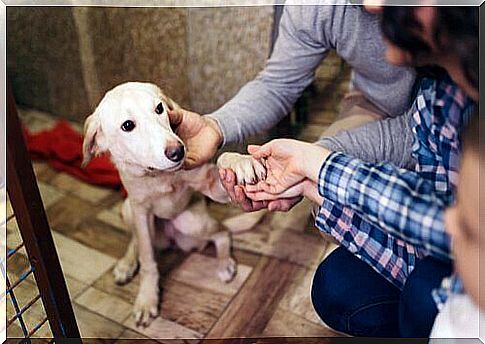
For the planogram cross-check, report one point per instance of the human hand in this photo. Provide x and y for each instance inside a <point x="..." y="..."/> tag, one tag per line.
<point x="239" y="198"/>
<point x="254" y="193"/>
<point x="287" y="162"/>
<point x="201" y="135"/>
<point x="305" y="188"/>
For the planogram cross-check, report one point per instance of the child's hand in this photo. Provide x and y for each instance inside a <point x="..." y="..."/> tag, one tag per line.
<point x="238" y="196"/>
<point x="254" y="193"/>
<point x="287" y="162"/>
<point x="305" y="188"/>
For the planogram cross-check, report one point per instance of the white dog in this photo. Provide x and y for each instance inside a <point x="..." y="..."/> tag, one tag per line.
<point x="132" y="125"/>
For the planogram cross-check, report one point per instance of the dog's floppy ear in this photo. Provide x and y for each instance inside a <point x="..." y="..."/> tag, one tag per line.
<point x="172" y="105"/>
<point x="92" y="134"/>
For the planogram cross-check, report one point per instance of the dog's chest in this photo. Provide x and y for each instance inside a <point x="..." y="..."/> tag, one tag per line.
<point x="165" y="196"/>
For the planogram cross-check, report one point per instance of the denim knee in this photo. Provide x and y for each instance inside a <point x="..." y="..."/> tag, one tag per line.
<point x="417" y="309"/>
<point x="345" y="303"/>
<point x="324" y="299"/>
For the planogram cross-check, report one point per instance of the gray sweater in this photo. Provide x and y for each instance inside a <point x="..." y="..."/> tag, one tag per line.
<point x="306" y="34"/>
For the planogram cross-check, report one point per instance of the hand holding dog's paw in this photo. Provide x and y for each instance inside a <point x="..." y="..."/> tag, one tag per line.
<point x="247" y="169"/>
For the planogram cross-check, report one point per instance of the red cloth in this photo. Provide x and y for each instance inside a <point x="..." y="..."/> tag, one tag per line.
<point x="61" y="146"/>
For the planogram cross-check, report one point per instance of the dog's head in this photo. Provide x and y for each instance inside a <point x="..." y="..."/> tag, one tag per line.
<point x="131" y="123"/>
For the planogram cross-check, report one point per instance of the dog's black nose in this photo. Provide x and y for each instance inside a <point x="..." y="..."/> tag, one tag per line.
<point x="175" y="153"/>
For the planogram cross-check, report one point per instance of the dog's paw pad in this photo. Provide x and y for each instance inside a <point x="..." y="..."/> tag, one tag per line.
<point x="124" y="273"/>
<point x="227" y="270"/>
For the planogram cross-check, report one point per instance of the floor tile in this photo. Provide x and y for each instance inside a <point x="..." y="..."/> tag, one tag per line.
<point x="285" y="323"/>
<point x="90" y="193"/>
<point x="43" y="171"/>
<point x="13" y="234"/>
<point x="201" y="271"/>
<point x="102" y="237"/>
<point x="104" y="304"/>
<point x="254" y="305"/>
<point x="125" y="292"/>
<point x="298" y="248"/>
<point x="79" y="261"/>
<point x="49" y="194"/>
<point x="195" y="308"/>
<point x="167" y="262"/>
<point x="74" y="286"/>
<point x="163" y="329"/>
<point x="112" y="216"/>
<point x="297" y="299"/>
<point x="128" y="335"/>
<point x="17" y="264"/>
<point x="96" y="326"/>
<point x="69" y="212"/>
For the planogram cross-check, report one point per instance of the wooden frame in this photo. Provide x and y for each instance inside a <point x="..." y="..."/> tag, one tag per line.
<point x="35" y="231"/>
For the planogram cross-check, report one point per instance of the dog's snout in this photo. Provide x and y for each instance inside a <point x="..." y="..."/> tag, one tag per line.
<point x="175" y="152"/>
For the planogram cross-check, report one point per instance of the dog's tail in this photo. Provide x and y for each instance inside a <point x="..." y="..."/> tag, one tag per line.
<point x="244" y="222"/>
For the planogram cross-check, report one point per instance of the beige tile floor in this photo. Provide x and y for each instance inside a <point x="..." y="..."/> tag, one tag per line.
<point x="270" y="295"/>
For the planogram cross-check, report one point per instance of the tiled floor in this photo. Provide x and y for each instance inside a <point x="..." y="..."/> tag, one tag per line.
<point x="269" y="297"/>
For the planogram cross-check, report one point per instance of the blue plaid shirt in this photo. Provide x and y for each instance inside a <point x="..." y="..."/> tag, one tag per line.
<point x="387" y="216"/>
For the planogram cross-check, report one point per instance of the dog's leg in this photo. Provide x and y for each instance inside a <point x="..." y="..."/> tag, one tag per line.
<point x="127" y="266"/>
<point x="146" y="303"/>
<point x="227" y="265"/>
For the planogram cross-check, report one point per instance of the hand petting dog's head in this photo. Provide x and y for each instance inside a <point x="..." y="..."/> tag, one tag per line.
<point x="131" y="123"/>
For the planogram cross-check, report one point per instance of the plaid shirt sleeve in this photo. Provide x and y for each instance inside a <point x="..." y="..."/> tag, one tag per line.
<point x="397" y="200"/>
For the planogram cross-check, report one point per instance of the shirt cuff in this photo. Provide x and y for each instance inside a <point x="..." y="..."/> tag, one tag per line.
<point x="335" y="176"/>
<point x="223" y="128"/>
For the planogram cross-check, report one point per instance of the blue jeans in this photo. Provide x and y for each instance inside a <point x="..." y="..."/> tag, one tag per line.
<point x="351" y="297"/>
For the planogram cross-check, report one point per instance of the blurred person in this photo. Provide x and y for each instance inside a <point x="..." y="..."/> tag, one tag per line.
<point x="463" y="313"/>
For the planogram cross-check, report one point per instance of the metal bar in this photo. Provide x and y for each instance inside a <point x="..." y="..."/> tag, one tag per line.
<point x="22" y="311"/>
<point x="12" y="251"/>
<point x="37" y="327"/>
<point x="35" y="231"/>
<point x="21" y="278"/>
<point x="15" y="304"/>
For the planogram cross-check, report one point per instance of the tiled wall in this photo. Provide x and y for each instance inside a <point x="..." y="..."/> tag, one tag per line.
<point x="62" y="60"/>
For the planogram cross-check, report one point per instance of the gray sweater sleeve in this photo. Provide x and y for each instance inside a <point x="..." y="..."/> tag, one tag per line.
<point x="389" y="140"/>
<point x="264" y="101"/>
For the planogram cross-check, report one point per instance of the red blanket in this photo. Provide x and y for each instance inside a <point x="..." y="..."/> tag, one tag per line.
<point x="61" y="146"/>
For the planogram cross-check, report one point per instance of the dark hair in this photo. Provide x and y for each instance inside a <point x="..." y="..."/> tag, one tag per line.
<point x="455" y="29"/>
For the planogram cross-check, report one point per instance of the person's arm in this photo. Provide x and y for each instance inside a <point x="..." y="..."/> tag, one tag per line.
<point x="390" y="140"/>
<point x="263" y="102"/>
<point x="398" y="200"/>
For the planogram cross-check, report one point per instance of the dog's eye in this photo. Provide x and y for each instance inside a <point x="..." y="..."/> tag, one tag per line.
<point x="159" y="109"/>
<point x="128" y="125"/>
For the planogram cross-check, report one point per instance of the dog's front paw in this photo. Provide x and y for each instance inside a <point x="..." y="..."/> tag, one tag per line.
<point x="227" y="270"/>
<point x="145" y="309"/>
<point x="247" y="169"/>
<point x="124" y="271"/>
